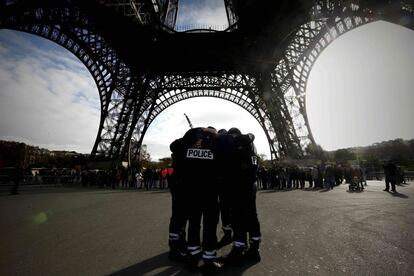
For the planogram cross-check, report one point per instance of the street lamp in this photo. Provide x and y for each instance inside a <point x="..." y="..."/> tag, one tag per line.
<point x="129" y="152"/>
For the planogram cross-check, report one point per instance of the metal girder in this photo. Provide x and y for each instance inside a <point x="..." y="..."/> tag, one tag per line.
<point x="330" y="19"/>
<point x="237" y="88"/>
<point x="169" y="13"/>
<point x="274" y="96"/>
<point x="71" y="29"/>
<point x="145" y="11"/>
<point x="230" y="12"/>
<point x="229" y="87"/>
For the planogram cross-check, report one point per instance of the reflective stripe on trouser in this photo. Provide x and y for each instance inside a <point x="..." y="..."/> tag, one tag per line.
<point x="254" y="242"/>
<point x="227" y="228"/>
<point x="194" y="250"/>
<point x="174" y="237"/>
<point x="208" y="255"/>
<point x="239" y="244"/>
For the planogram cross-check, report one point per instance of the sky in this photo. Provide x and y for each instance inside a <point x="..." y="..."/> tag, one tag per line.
<point x="360" y="91"/>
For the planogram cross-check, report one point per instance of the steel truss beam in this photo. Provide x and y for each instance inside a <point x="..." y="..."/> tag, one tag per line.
<point x="144" y="11"/>
<point x="130" y="102"/>
<point x="169" y="13"/>
<point x="230" y="12"/>
<point x="117" y="86"/>
<point x="329" y="20"/>
<point x="240" y="89"/>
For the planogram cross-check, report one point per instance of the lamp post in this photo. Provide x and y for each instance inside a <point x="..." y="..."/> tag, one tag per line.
<point x="129" y="152"/>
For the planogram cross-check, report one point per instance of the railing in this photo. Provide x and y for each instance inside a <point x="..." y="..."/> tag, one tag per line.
<point x="375" y="175"/>
<point x="201" y="28"/>
<point x="42" y="179"/>
<point x="379" y="175"/>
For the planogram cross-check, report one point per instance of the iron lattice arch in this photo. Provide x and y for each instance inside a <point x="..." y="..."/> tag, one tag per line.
<point x="273" y="92"/>
<point x="240" y="89"/>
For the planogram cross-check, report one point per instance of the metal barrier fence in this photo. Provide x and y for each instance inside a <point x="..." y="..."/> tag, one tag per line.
<point x="212" y="27"/>
<point x="408" y="175"/>
<point x="42" y="179"/>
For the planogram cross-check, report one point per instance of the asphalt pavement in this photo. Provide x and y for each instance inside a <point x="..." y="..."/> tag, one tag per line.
<point x="86" y="231"/>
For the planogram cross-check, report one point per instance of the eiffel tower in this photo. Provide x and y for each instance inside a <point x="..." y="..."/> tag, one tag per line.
<point x="142" y="63"/>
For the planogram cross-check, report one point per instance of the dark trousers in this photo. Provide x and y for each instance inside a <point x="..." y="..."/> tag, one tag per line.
<point x="178" y="218"/>
<point x="389" y="180"/>
<point x="245" y="216"/>
<point x="225" y="207"/>
<point x="202" y="206"/>
<point x="310" y="183"/>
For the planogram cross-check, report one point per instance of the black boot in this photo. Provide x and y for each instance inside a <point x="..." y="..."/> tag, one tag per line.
<point x="253" y="254"/>
<point x="192" y="261"/>
<point x="236" y="256"/>
<point x="212" y="266"/>
<point x="226" y="239"/>
<point x="178" y="251"/>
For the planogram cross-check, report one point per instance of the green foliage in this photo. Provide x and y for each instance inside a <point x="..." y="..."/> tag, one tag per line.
<point x="165" y="162"/>
<point x="343" y="155"/>
<point x="399" y="150"/>
<point x="15" y="154"/>
<point x="315" y="152"/>
<point x="262" y="160"/>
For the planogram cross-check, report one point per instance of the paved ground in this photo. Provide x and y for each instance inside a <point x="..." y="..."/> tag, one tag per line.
<point x="63" y="231"/>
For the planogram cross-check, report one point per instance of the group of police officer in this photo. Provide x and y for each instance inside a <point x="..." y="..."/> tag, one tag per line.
<point x="214" y="173"/>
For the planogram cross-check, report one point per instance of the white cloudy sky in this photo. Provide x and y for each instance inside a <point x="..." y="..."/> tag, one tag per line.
<point x="47" y="97"/>
<point x="360" y="92"/>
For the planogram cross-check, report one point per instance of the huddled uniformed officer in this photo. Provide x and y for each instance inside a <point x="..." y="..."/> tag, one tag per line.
<point x="223" y="151"/>
<point x="243" y="168"/>
<point x="198" y="174"/>
<point x="179" y="217"/>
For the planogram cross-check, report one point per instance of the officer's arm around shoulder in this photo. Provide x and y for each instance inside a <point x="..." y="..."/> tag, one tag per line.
<point x="174" y="146"/>
<point x="191" y="132"/>
<point x="246" y="138"/>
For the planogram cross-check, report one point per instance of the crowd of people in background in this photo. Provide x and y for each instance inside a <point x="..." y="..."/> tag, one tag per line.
<point x="148" y="179"/>
<point x="325" y="176"/>
<point x="316" y="177"/>
<point x="279" y="177"/>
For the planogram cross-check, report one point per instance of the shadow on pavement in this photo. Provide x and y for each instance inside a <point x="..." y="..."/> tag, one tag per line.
<point x="311" y="189"/>
<point x="159" y="191"/>
<point x="355" y="191"/>
<point x="275" y="190"/>
<point x="236" y="270"/>
<point x="160" y="266"/>
<point x="397" y="194"/>
<point x="105" y="192"/>
<point x="403" y="184"/>
<point x="152" y="265"/>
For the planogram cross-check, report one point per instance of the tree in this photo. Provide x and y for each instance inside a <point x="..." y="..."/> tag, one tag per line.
<point x="12" y="153"/>
<point x="143" y="159"/>
<point x="261" y="159"/>
<point x="166" y="161"/>
<point x="315" y="152"/>
<point x="342" y="155"/>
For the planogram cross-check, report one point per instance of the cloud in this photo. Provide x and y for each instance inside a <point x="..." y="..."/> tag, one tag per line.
<point x="3" y="50"/>
<point x="203" y="111"/>
<point x="356" y="94"/>
<point x="47" y="98"/>
<point x="202" y="13"/>
<point x="360" y="88"/>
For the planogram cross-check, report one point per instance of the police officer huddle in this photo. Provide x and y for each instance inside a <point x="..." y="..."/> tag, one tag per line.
<point x="214" y="173"/>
